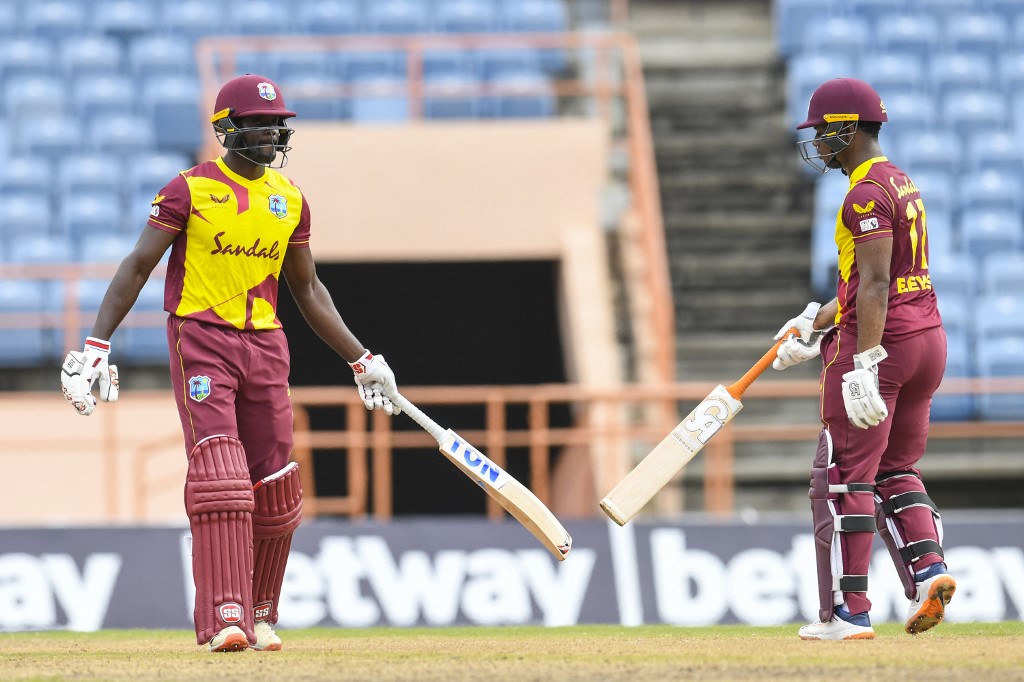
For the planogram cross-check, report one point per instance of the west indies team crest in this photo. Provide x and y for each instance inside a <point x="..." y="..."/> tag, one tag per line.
<point x="278" y="205"/>
<point x="199" y="388"/>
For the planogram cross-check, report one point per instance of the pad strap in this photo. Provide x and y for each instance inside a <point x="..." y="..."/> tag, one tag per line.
<point x="851" y="488"/>
<point x="850" y="583"/>
<point x="915" y="550"/>
<point x="897" y="503"/>
<point x="855" y="523"/>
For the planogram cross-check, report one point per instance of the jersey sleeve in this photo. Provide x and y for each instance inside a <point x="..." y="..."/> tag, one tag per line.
<point x="300" y="237"/>
<point x="172" y="206"/>
<point x="868" y="212"/>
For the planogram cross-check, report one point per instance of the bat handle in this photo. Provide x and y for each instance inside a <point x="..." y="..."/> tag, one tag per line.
<point x="739" y="388"/>
<point x="428" y="424"/>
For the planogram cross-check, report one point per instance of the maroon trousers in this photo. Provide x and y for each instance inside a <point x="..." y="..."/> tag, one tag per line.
<point x="907" y="380"/>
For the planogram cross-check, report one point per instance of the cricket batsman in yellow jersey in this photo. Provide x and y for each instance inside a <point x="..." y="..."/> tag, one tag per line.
<point x="234" y="225"/>
<point x="883" y="353"/>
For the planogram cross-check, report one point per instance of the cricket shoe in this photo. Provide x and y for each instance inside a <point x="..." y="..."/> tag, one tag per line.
<point x="266" y="638"/>
<point x="928" y="606"/>
<point x="230" y="638"/>
<point x="842" y="625"/>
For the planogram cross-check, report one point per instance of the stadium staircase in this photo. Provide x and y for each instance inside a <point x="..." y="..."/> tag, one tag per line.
<point x="737" y="210"/>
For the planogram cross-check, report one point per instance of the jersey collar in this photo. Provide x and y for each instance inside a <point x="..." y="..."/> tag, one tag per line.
<point x="246" y="182"/>
<point x="860" y="171"/>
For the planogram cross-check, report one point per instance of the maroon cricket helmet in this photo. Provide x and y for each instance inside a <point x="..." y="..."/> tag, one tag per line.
<point x="844" y="99"/>
<point x="250" y="95"/>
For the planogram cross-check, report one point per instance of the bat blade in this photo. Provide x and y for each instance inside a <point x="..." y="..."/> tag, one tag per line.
<point x="513" y="496"/>
<point x="673" y="453"/>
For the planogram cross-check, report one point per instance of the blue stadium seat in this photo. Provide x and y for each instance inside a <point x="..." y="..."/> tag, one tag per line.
<point x="329" y="17"/>
<point x="837" y="34"/>
<point x="957" y="311"/>
<point x="172" y="104"/>
<point x="989" y="231"/>
<point x="10" y="20"/>
<point x="30" y="96"/>
<point x="54" y="19"/>
<point x="892" y="72"/>
<point x="94" y="172"/>
<point x="960" y="71"/>
<point x="396" y="16"/>
<point x="39" y="248"/>
<point x="918" y="33"/>
<point x="194" y="19"/>
<point x="824" y="258"/>
<point x="805" y="72"/>
<point x="106" y="248"/>
<point x="1003" y="273"/>
<point x="91" y="213"/>
<point x="1010" y="71"/>
<point x="285" y="67"/>
<point x="446" y="63"/>
<point x="936" y="189"/>
<point x="26" y="56"/>
<point x="100" y="96"/>
<point x="25" y="213"/>
<point x="124" y="19"/>
<point x="465" y="16"/>
<point x="534" y="16"/>
<point x="942" y="8"/>
<point x="25" y="173"/>
<point x="990" y="190"/>
<point x="791" y="17"/>
<point x="380" y="100"/>
<point x="145" y="345"/>
<point x="451" y="96"/>
<point x="312" y="99"/>
<point x="978" y="33"/>
<point x="1006" y="9"/>
<point x="954" y="275"/>
<point x="942" y="236"/>
<point x="874" y="10"/>
<point x="998" y="316"/>
<point x="25" y="346"/>
<point x="966" y="111"/>
<point x="148" y="172"/>
<point x="258" y="17"/>
<point x="370" y="64"/>
<point x="1000" y="358"/>
<point x="908" y="112"/>
<point x="50" y="135"/>
<point x="90" y="54"/>
<point x="157" y="55"/>
<point x="954" y="406"/>
<point x="998" y="150"/>
<point x="932" y="150"/>
<point x="494" y="63"/>
<point x="523" y="95"/>
<point x="125" y="134"/>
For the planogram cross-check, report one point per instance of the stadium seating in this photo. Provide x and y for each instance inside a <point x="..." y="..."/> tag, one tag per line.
<point x="955" y="406"/>
<point x="1003" y="272"/>
<point x="986" y="232"/>
<point x="329" y="17"/>
<point x="25" y="174"/>
<point x="918" y="34"/>
<point x="90" y="54"/>
<point x="1002" y="357"/>
<point x="931" y="150"/>
<point x="977" y="33"/>
<point x="998" y="150"/>
<point x="25" y="346"/>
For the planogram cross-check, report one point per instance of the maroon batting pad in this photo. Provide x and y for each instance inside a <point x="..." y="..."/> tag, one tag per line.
<point x="277" y="513"/>
<point x="219" y="504"/>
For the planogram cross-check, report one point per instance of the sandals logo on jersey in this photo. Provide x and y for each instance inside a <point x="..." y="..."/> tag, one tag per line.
<point x="230" y="612"/>
<point x="199" y="388"/>
<point x="267" y="91"/>
<point x="278" y="205"/>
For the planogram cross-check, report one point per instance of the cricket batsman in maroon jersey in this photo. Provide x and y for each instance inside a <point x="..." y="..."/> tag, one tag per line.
<point x="234" y="226"/>
<point x="883" y="353"/>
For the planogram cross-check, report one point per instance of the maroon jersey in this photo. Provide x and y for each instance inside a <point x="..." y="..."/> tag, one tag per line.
<point x="883" y="202"/>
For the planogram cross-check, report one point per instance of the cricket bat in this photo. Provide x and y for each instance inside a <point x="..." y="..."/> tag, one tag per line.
<point x="683" y="444"/>
<point x="512" y="495"/>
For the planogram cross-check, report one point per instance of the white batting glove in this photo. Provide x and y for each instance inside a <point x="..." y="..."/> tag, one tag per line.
<point x="864" y="405"/>
<point x="803" y="346"/>
<point x="376" y="383"/>
<point x="81" y="370"/>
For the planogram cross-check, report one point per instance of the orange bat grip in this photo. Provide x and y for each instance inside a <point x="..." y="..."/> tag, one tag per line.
<point x="737" y="389"/>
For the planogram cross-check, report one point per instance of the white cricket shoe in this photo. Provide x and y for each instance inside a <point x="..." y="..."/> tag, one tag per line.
<point x="836" y="629"/>
<point x="230" y="638"/>
<point x="929" y="606"/>
<point x="266" y="638"/>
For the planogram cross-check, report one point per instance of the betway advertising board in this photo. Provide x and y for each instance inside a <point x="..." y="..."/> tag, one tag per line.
<point x="437" y="572"/>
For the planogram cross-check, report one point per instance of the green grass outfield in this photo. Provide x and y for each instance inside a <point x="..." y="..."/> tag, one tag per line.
<point x="975" y="652"/>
